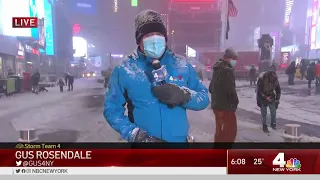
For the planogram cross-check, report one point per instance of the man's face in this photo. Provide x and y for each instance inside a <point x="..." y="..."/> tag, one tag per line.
<point x="148" y="35"/>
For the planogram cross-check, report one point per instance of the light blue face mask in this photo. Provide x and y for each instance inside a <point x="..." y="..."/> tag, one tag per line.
<point x="233" y="62"/>
<point x="154" y="46"/>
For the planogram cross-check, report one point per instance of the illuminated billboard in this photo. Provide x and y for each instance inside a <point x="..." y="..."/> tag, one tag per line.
<point x="80" y="46"/>
<point x="288" y="10"/>
<point x="84" y="6"/>
<point x="28" y="8"/>
<point x="33" y="11"/>
<point x="134" y="3"/>
<point x="13" y="8"/>
<point x="48" y="28"/>
<point x="314" y="25"/>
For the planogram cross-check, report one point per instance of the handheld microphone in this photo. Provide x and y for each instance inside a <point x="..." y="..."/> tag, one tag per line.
<point x="156" y="64"/>
<point x="159" y="73"/>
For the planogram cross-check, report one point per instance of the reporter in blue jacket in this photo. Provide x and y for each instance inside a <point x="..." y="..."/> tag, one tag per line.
<point x="155" y="113"/>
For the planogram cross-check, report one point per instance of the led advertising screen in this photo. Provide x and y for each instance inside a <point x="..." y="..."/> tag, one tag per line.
<point x="48" y="28"/>
<point x="314" y="25"/>
<point x="81" y="47"/>
<point x="84" y="6"/>
<point x="40" y="31"/>
<point x="288" y="10"/>
<point x="13" y="8"/>
<point x="134" y="3"/>
<point x="285" y="59"/>
<point x="317" y="36"/>
<point x="28" y="8"/>
<point x="33" y="8"/>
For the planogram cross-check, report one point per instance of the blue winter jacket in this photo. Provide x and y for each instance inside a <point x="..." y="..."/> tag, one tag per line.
<point x="131" y="82"/>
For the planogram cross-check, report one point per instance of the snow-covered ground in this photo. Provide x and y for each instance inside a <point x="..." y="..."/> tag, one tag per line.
<point x="77" y="116"/>
<point x="293" y="109"/>
<point x="58" y="117"/>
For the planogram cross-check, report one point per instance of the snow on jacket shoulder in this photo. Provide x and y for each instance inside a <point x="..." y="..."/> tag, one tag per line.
<point x="130" y="83"/>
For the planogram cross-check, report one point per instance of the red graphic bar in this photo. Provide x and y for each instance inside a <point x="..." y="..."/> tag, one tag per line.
<point x="273" y="162"/>
<point x="117" y="157"/>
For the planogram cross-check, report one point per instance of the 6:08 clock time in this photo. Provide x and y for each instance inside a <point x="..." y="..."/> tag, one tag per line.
<point x="238" y="161"/>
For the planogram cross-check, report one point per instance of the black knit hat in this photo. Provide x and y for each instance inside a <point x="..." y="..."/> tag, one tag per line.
<point x="149" y="21"/>
<point x="231" y="53"/>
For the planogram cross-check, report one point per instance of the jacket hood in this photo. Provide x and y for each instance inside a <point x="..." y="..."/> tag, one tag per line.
<point x="222" y="64"/>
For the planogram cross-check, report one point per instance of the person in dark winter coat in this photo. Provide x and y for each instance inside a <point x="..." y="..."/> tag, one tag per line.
<point x="43" y="89"/>
<point x="311" y="73"/>
<point x="303" y="68"/>
<point x="35" y="79"/>
<point x="268" y="95"/>
<point x="157" y="112"/>
<point x="61" y="84"/>
<point x="252" y="75"/>
<point x="66" y="76"/>
<point x="70" y="82"/>
<point x="291" y="72"/>
<point x="317" y="69"/>
<point x="224" y="98"/>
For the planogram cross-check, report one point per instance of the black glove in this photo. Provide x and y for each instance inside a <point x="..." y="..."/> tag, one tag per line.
<point x="171" y="94"/>
<point x="142" y="137"/>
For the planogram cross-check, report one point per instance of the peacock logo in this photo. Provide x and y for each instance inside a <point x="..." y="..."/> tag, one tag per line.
<point x="293" y="163"/>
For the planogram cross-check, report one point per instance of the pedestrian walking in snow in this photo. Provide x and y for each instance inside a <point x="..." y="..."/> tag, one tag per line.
<point x="224" y="98"/>
<point x="156" y="109"/>
<point x="66" y="77"/>
<point x="61" y="84"/>
<point x="70" y="82"/>
<point x="268" y="95"/>
<point x="35" y="79"/>
<point x="252" y="75"/>
<point x="291" y="72"/>
<point x="317" y="68"/>
<point x="311" y="74"/>
<point x="303" y="68"/>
